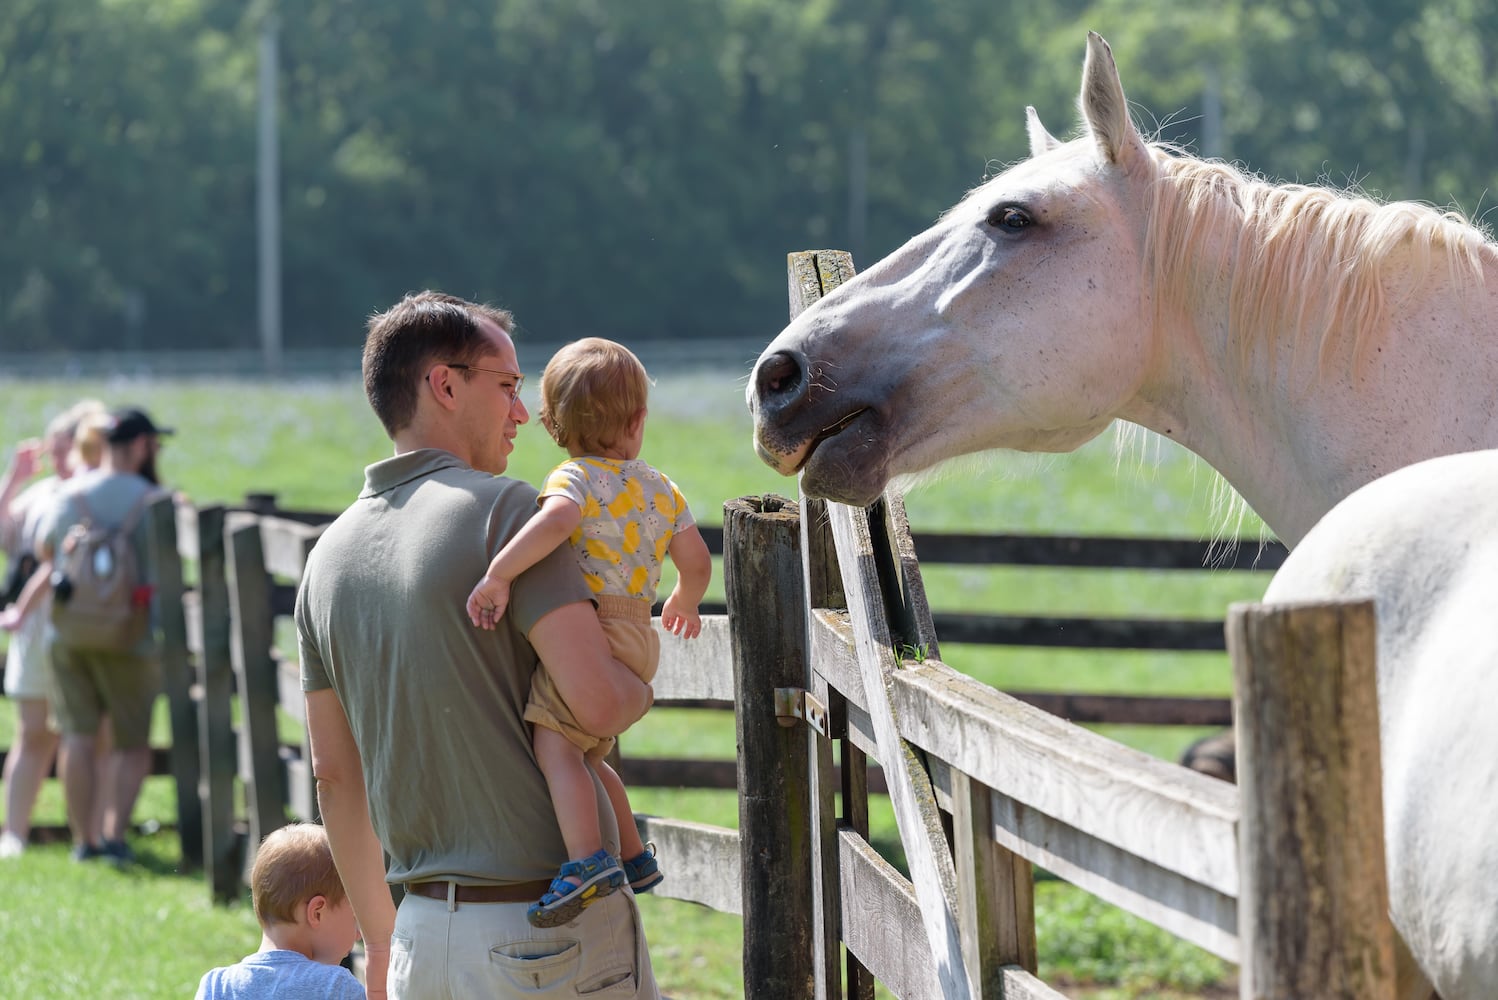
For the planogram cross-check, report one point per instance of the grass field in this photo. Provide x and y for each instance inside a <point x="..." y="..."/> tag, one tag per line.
<point x="68" y="931"/>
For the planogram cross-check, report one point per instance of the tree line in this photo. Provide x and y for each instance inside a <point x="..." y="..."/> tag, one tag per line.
<point x="635" y="170"/>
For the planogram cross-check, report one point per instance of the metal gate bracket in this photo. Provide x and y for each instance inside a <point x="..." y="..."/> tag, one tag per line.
<point x="794" y="703"/>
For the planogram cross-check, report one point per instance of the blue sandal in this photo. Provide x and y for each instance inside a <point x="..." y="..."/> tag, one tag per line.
<point x="599" y="874"/>
<point x="642" y="871"/>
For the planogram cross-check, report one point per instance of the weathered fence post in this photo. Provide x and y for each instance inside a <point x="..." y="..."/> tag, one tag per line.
<point x="1313" y="904"/>
<point x="215" y="723"/>
<point x="762" y="581"/>
<point x="824" y="589"/>
<point x="249" y="646"/>
<point x="177" y="676"/>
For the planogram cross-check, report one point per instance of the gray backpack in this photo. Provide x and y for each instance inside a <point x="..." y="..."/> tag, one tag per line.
<point x="100" y="602"/>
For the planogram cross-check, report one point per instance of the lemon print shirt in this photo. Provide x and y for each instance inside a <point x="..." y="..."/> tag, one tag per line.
<point x="630" y="512"/>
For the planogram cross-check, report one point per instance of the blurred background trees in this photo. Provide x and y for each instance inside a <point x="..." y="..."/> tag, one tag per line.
<point x="635" y="170"/>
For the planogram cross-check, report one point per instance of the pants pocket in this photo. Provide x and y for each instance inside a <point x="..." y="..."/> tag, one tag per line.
<point x="537" y="966"/>
<point x="398" y="972"/>
<point x="610" y="962"/>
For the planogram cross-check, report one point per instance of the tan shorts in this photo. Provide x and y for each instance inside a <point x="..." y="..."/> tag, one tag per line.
<point x="89" y="684"/>
<point x="634" y="642"/>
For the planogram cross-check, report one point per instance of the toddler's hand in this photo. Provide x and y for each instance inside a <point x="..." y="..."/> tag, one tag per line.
<point x="679" y="620"/>
<point x="487" y="603"/>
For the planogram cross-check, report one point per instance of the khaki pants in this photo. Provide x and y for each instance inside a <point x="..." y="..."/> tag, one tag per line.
<point x="441" y="950"/>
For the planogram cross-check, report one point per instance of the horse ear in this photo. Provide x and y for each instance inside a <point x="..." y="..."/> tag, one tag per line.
<point x="1041" y="141"/>
<point x="1105" y="108"/>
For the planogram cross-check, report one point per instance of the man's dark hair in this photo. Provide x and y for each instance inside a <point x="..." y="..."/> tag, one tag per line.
<point x="421" y="330"/>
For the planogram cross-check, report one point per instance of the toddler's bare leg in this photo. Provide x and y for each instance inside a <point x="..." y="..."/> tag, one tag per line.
<point x="573" y="795"/>
<point x="630" y="844"/>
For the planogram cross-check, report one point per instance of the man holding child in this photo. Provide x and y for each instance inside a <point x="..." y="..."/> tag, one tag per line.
<point x="418" y="739"/>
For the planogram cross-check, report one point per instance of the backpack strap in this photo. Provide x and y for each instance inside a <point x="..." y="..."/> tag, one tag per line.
<point x="132" y="515"/>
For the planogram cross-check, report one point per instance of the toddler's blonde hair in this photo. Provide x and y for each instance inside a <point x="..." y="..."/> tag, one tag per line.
<point x="293" y="864"/>
<point x="591" y="390"/>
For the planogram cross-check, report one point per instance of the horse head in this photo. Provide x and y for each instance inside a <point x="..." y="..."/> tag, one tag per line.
<point x="1018" y="321"/>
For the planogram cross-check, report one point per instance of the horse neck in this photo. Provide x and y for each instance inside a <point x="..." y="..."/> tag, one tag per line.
<point x="1293" y="439"/>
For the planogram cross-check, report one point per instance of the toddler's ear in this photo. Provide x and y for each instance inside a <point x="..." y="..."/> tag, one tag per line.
<point x="317" y="908"/>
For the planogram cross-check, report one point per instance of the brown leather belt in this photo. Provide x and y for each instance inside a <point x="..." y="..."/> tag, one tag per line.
<point x="516" y="892"/>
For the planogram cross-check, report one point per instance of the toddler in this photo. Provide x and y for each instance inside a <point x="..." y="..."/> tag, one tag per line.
<point x="622" y="517"/>
<point x="307" y="925"/>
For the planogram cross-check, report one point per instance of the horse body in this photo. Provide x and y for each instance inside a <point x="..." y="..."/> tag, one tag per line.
<point x="1423" y="543"/>
<point x="1303" y="342"/>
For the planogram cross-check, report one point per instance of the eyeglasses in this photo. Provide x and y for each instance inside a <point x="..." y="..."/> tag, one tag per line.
<point x="514" y="393"/>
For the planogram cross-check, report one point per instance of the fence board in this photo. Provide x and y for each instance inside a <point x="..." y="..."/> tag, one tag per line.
<point x="177" y="676"/>
<point x="1200" y="914"/>
<point x="221" y="844"/>
<point x="259" y="738"/>
<point x="699" y="669"/>
<point x="910" y="791"/>
<point x="879" y="911"/>
<point x="285" y="545"/>
<point x="995" y="891"/>
<point x="1175" y="818"/>
<point x="701" y="862"/>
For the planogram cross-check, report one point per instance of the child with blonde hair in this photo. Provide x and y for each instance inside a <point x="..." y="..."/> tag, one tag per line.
<point x="307" y="925"/>
<point x="622" y="518"/>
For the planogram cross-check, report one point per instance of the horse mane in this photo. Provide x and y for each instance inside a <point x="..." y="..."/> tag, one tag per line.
<point x="1302" y="262"/>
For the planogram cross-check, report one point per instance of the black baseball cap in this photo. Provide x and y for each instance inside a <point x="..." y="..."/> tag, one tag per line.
<point x="130" y="423"/>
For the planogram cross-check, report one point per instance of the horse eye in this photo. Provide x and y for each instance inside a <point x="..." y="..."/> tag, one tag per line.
<point x="1010" y="218"/>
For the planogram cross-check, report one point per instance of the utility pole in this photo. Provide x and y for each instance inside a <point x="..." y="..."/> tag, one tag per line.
<point x="268" y="200"/>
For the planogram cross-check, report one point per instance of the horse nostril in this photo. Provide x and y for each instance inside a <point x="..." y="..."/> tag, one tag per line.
<point x="778" y="375"/>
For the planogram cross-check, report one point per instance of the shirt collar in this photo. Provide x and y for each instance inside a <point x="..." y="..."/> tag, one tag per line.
<point x="384" y="476"/>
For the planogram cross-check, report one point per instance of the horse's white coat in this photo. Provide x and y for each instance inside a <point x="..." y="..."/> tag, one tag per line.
<point x="1026" y="319"/>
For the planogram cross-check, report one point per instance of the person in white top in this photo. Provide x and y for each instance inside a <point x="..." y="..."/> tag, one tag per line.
<point x="22" y="509"/>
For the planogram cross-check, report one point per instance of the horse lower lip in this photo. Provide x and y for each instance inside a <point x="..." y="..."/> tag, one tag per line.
<point x="827" y="433"/>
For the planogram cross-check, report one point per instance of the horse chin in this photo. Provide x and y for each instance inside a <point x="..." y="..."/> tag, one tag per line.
<point x="850" y="467"/>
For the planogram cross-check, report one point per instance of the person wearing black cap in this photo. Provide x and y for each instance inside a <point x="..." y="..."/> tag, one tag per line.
<point x="134" y="429"/>
<point x="88" y="683"/>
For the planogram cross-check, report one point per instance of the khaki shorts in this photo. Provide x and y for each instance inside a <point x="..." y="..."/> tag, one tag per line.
<point x="89" y="684"/>
<point x="634" y="642"/>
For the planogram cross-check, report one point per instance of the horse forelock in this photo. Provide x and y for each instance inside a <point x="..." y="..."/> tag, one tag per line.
<point x="1303" y="262"/>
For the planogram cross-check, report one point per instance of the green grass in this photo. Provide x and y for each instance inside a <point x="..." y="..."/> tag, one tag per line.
<point x="308" y="441"/>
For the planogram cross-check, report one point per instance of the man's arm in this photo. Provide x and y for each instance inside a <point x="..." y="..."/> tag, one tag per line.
<point x="605" y="696"/>
<point x="345" y="813"/>
<point x="557" y="519"/>
<point x="542" y="534"/>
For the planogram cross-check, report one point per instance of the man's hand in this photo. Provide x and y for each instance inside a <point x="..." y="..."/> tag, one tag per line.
<point x="376" y="966"/>
<point x="487" y="602"/>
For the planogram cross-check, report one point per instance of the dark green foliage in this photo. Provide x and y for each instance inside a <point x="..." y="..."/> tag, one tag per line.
<point x="634" y="170"/>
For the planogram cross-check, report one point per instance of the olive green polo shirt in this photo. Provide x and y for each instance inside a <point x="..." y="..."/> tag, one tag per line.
<point x="434" y="703"/>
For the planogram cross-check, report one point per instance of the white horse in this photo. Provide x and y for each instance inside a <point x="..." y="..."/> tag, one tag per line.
<point x="1303" y="341"/>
